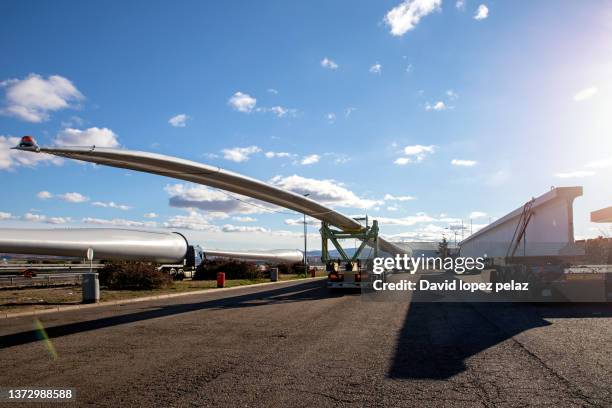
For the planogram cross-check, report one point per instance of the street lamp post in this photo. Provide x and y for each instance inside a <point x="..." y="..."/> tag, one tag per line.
<point x="305" y="242"/>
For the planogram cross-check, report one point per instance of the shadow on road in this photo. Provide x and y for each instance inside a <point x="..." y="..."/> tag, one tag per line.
<point x="437" y="337"/>
<point x="434" y="342"/>
<point x="294" y="293"/>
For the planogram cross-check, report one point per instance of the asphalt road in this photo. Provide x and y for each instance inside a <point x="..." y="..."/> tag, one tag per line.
<point x="295" y="345"/>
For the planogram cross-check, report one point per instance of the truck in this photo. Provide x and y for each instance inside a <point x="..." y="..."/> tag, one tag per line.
<point x="535" y="244"/>
<point x="179" y="271"/>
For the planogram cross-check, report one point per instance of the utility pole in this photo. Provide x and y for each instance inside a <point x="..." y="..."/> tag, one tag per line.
<point x="454" y="231"/>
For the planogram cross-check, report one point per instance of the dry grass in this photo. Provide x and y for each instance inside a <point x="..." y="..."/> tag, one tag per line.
<point x="21" y="300"/>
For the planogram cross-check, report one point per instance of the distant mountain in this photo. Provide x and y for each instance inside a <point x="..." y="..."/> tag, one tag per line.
<point x="335" y="254"/>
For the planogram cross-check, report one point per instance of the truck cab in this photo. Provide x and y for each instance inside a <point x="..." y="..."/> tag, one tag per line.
<point x="344" y="275"/>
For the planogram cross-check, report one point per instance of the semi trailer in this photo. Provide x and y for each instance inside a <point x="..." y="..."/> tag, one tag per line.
<point x="535" y="244"/>
<point x="170" y="250"/>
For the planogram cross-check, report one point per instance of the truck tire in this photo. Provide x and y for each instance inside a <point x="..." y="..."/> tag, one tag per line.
<point x="495" y="276"/>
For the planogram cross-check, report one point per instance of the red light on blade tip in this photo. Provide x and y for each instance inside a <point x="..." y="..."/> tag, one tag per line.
<point x="27" y="141"/>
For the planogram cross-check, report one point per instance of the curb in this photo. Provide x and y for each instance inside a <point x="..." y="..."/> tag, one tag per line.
<point x="57" y="309"/>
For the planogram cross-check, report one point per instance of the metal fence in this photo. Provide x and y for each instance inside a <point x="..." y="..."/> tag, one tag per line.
<point x="20" y="267"/>
<point x="15" y="281"/>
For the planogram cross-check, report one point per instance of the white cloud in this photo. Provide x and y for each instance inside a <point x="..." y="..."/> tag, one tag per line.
<point x="409" y="68"/>
<point x="150" y="215"/>
<point x="179" y="120"/>
<point x="10" y="158"/>
<point x="405" y="221"/>
<point x="79" y="198"/>
<point x="273" y="91"/>
<point x="348" y="111"/>
<point x="246" y="103"/>
<point x="339" y="158"/>
<point x="244" y="219"/>
<point x="438" y="106"/>
<point x="576" y="174"/>
<point x="279" y="111"/>
<point x="58" y="220"/>
<point x="389" y="197"/>
<point x="93" y="136"/>
<point x="44" y="195"/>
<point x="272" y="155"/>
<point x="406" y="16"/>
<point x="331" y="117"/>
<point x="460" y="4"/>
<point x="594" y="164"/>
<point x="481" y="13"/>
<point x="585" y="94"/>
<point x="415" y="154"/>
<point x="477" y="214"/>
<point x="240" y="154"/>
<point x="451" y="220"/>
<point x="429" y="232"/>
<point x="464" y="163"/>
<point x="242" y="228"/>
<point x="324" y="191"/>
<point x="119" y="222"/>
<point x="32" y="98"/>
<point x="300" y="221"/>
<point x="111" y="204"/>
<point x="327" y="63"/>
<point x="392" y="208"/>
<point x="418" y="150"/>
<point x="599" y="164"/>
<point x="311" y="159"/>
<point x="30" y="217"/>
<point x="217" y="204"/>
<point x="401" y="161"/>
<point x="242" y="102"/>
<point x="33" y="217"/>
<point x="376" y="68"/>
<point x="193" y="221"/>
<point x="452" y="95"/>
<point x="5" y="216"/>
<point x="73" y="197"/>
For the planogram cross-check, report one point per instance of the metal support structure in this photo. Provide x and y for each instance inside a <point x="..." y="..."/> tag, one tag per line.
<point x="305" y="241"/>
<point x="367" y="235"/>
<point x="520" y="233"/>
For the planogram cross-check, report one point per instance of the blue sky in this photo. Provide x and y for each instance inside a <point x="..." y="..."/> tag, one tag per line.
<point x="456" y="116"/>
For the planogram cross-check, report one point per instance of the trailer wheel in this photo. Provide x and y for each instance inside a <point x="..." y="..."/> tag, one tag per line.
<point x="501" y="274"/>
<point x="495" y="276"/>
<point x="535" y="286"/>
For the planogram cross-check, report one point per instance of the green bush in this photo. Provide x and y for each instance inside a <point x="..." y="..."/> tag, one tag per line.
<point x="284" y="268"/>
<point x="133" y="276"/>
<point x="233" y="269"/>
<point x="298" y="268"/>
<point x="293" y="268"/>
